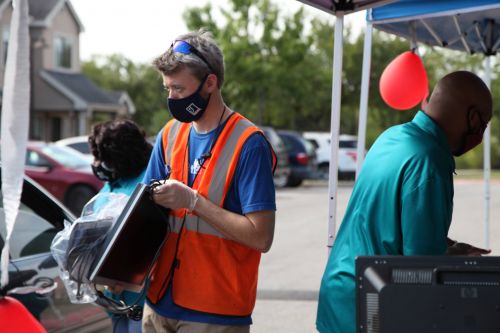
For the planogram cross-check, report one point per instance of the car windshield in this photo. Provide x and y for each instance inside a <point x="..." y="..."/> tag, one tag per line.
<point x="65" y="156"/>
<point x="309" y="146"/>
<point x="82" y="147"/>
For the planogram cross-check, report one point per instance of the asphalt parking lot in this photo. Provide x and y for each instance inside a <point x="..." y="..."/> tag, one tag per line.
<point x="290" y="273"/>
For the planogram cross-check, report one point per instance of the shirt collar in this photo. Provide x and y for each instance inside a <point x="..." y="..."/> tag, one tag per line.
<point x="428" y="125"/>
<point x="126" y="182"/>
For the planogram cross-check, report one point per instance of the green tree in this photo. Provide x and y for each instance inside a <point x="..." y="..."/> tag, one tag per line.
<point x="140" y="81"/>
<point x="279" y="72"/>
<point x="274" y="67"/>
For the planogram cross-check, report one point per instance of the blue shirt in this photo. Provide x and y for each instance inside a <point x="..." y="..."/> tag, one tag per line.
<point x="125" y="186"/>
<point x="252" y="190"/>
<point x="401" y="204"/>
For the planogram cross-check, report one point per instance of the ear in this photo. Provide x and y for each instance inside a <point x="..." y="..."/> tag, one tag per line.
<point x="212" y="81"/>
<point x="471" y="113"/>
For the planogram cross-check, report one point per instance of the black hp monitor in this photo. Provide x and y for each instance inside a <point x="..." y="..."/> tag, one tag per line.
<point x="131" y="245"/>
<point x="398" y="294"/>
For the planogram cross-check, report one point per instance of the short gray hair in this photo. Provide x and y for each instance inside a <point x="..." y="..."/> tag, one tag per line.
<point x="202" y="40"/>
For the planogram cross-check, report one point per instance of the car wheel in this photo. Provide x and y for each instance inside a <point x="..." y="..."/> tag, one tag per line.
<point x="280" y="180"/>
<point x="324" y="170"/>
<point x="294" y="182"/>
<point x="77" y="197"/>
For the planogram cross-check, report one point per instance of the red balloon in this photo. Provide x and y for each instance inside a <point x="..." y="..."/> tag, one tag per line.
<point x="14" y="317"/>
<point x="404" y="83"/>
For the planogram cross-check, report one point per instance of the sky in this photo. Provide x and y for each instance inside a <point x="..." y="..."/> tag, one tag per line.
<point x="142" y="30"/>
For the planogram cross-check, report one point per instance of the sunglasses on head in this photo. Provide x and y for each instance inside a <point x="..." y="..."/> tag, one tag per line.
<point x="184" y="47"/>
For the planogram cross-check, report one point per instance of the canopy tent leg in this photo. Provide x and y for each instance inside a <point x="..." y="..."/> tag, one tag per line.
<point x="461" y="34"/>
<point x="335" y="126"/>
<point x="363" y="102"/>
<point x="433" y="33"/>
<point x="487" y="162"/>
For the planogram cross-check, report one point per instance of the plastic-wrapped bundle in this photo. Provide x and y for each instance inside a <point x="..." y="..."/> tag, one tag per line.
<point x="77" y="246"/>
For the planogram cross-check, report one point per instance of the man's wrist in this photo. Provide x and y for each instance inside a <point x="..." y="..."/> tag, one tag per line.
<point x="193" y="201"/>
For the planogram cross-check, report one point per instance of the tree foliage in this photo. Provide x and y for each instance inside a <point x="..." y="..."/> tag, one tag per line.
<point x="279" y="72"/>
<point x="140" y="81"/>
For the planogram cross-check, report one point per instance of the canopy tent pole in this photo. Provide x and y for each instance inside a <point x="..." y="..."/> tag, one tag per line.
<point x="461" y="34"/>
<point x="487" y="162"/>
<point x="479" y="37"/>
<point x="363" y="102"/>
<point x="497" y="43"/>
<point x="432" y="32"/>
<point x="335" y="126"/>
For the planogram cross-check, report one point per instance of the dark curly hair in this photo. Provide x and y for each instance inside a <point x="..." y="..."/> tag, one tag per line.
<point x="122" y="145"/>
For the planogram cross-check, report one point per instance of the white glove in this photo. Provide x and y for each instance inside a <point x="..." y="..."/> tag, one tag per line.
<point x="175" y="195"/>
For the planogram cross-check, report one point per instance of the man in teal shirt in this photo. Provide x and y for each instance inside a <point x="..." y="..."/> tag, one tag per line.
<point x="402" y="201"/>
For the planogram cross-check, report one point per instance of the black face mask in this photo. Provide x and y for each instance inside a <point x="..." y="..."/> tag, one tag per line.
<point x="471" y="138"/>
<point x="191" y="108"/>
<point x="102" y="172"/>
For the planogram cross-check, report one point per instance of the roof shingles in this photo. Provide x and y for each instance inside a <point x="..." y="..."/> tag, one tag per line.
<point x="39" y="9"/>
<point x="83" y="87"/>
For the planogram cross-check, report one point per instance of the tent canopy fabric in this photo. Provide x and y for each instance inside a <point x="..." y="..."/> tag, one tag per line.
<point x="346" y="6"/>
<point x="471" y="26"/>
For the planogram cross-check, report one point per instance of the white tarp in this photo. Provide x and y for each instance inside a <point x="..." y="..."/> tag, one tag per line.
<point x="15" y="122"/>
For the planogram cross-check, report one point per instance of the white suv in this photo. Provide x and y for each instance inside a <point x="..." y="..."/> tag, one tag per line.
<point x="78" y="143"/>
<point x="347" y="153"/>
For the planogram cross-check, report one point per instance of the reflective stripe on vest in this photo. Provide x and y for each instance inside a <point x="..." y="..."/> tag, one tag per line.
<point x="212" y="274"/>
<point x="170" y="135"/>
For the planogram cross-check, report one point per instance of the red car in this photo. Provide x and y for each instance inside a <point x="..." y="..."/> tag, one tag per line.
<point x="66" y="174"/>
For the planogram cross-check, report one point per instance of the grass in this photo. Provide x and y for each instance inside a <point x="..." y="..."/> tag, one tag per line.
<point x="475" y="174"/>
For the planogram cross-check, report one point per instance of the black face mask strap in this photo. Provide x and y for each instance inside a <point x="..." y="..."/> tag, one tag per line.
<point x="202" y="83"/>
<point x="469" y="127"/>
<point x="102" y="172"/>
<point x="201" y="86"/>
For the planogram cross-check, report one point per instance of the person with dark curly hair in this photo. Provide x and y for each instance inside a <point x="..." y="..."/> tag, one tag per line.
<point x="121" y="151"/>
<point x="121" y="154"/>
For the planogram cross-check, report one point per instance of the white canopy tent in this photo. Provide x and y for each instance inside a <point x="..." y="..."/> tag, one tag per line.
<point x="339" y="8"/>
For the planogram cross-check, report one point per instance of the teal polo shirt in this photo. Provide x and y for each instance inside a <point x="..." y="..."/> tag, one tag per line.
<point x="401" y="204"/>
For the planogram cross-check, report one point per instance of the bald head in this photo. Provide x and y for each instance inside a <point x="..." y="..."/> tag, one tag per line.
<point x="458" y="92"/>
<point x="461" y="105"/>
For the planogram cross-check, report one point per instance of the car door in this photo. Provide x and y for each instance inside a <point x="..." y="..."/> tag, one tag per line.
<point x="46" y="173"/>
<point x="39" y="219"/>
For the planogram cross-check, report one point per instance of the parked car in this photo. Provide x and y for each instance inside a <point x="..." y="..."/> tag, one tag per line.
<point x="347" y="154"/>
<point x="64" y="173"/>
<point x="78" y="143"/>
<point x="283" y="170"/>
<point x="40" y="217"/>
<point x="301" y="155"/>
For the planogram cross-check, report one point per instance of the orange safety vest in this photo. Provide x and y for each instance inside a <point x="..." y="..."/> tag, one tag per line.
<point x="211" y="273"/>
